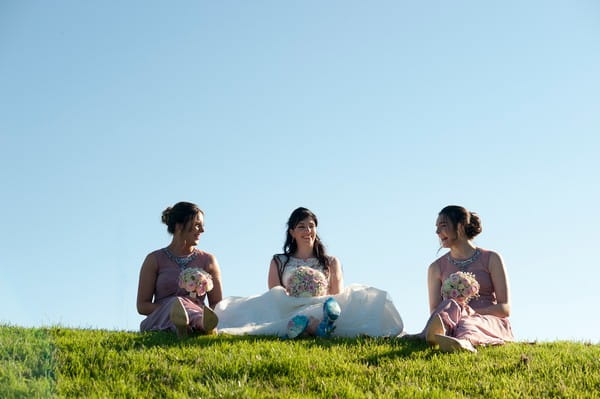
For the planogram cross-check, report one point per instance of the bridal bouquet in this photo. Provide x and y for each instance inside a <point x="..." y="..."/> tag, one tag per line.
<point x="306" y="282"/>
<point x="195" y="281"/>
<point x="460" y="286"/>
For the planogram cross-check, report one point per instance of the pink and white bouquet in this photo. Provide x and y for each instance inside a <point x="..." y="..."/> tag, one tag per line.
<point x="460" y="286"/>
<point x="306" y="282"/>
<point x="195" y="281"/>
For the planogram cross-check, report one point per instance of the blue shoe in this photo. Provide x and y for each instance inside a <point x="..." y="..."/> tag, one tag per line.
<point x="297" y="326"/>
<point x="325" y="329"/>
<point x="331" y="310"/>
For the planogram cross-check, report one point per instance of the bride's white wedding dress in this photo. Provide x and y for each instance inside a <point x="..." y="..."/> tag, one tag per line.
<point x="365" y="310"/>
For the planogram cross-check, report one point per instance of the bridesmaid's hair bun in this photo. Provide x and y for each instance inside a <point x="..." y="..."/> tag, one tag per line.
<point x="473" y="226"/>
<point x="165" y="215"/>
<point x="460" y="215"/>
<point x="180" y="213"/>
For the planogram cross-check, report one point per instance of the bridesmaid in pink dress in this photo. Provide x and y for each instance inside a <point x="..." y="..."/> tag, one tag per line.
<point x="166" y="305"/>
<point x="455" y="326"/>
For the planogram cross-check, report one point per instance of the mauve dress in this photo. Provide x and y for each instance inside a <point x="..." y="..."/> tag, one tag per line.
<point x="167" y="290"/>
<point x="459" y="322"/>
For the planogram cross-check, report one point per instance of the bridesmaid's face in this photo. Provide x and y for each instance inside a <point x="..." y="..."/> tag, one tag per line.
<point x="445" y="231"/>
<point x="191" y="232"/>
<point x="305" y="232"/>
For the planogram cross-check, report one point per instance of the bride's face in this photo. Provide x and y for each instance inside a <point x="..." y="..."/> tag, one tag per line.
<point x="305" y="232"/>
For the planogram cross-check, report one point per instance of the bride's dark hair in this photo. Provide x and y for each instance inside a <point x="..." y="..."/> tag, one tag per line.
<point x="290" y="246"/>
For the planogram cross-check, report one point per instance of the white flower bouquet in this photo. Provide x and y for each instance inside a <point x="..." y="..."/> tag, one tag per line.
<point x="195" y="281"/>
<point x="306" y="282"/>
<point x="460" y="286"/>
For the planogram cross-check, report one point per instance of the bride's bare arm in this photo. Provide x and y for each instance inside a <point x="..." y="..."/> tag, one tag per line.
<point x="273" y="280"/>
<point x="336" y="277"/>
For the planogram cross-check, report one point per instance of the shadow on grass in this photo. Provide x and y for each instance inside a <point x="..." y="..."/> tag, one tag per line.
<point x="168" y="339"/>
<point x="165" y="339"/>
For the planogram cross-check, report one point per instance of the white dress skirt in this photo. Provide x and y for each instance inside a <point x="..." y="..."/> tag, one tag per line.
<point x="366" y="311"/>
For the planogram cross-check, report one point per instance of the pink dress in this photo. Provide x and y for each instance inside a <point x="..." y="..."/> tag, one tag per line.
<point x="167" y="290"/>
<point x="460" y="321"/>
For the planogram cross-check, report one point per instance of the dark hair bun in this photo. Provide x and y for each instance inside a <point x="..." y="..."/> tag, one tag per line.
<point x="473" y="227"/>
<point x="180" y="213"/>
<point x="165" y="215"/>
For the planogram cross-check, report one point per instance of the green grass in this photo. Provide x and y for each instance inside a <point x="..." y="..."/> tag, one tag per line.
<point x="26" y="363"/>
<point x="60" y="362"/>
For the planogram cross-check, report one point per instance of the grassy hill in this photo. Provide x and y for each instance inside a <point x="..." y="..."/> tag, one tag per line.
<point x="60" y="362"/>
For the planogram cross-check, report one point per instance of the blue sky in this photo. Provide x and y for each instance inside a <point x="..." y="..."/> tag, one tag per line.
<point x="373" y="115"/>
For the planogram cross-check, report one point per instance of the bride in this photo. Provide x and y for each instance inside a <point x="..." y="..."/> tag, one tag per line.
<point x="306" y="295"/>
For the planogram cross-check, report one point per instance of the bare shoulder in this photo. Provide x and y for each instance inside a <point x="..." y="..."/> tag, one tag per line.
<point x="436" y="265"/>
<point x="495" y="260"/>
<point x="335" y="266"/>
<point x="434" y="273"/>
<point x="147" y="280"/>
<point x="210" y="258"/>
<point x="153" y="255"/>
<point x="150" y="262"/>
<point x="434" y="268"/>
<point x="210" y="262"/>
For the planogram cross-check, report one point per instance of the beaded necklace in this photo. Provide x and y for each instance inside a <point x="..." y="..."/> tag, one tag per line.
<point x="464" y="264"/>
<point x="181" y="261"/>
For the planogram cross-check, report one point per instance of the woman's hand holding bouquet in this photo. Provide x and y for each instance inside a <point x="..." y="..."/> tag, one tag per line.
<point x="460" y="286"/>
